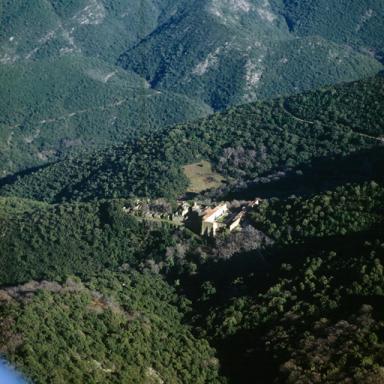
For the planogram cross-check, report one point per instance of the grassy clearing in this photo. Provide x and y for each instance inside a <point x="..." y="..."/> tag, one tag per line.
<point x="201" y="177"/>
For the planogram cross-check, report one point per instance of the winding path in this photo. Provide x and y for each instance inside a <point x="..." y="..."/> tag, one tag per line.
<point x="76" y="113"/>
<point x="284" y="108"/>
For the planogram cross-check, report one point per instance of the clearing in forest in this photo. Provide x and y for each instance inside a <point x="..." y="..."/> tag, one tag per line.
<point x="201" y="177"/>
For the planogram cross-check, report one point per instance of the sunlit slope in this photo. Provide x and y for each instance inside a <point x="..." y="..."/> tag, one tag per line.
<point x="358" y="24"/>
<point x="32" y="30"/>
<point x="53" y="106"/>
<point x="258" y="143"/>
<point x="232" y="52"/>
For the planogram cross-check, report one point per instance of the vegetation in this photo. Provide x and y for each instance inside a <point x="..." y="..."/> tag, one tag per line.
<point x="360" y="27"/>
<point x="115" y="328"/>
<point x="252" y="55"/>
<point x="282" y="310"/>
<point x="306" y="308"/>
<point x="356" y="105"/>
<point x="63" y="86"/>
<point x="201" y="177"/>
<point x="61" y="89"/>
<point x="104" y="29"/>
<point x="348" y="209"/>
<point x="91" y="294"/>
<point x="258" y="143"/>
<point x="314" y="315"/>
<point x="40" y="241"/>
<point x="91" y="104"/>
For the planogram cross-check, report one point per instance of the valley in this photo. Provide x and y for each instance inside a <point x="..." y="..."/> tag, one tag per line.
<point x="93" y="51"/>
<point x="266" y="143"/>
<point x="237" y="269"/>
<point x="192" y="191"/>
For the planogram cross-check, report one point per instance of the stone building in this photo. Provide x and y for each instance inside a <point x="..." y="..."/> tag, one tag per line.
<point x="235" y="221"/>
<point x="209" y="224"/>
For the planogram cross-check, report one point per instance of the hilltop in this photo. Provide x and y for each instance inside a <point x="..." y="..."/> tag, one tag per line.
<point x="60" y="105"/>
<point x="61" y="63"/>
<point x="232" y="52"/>
<point x="192" y="191"/>
<point x="262" y="143"/>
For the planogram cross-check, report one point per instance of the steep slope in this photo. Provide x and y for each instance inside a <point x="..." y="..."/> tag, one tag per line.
<point x="53" y="106"/>
<point x="310" y="314"/>
<point x="355" y="23"/>
<point x="97" y="28"/>
<point x="116" y="328"/>
<point x="60" y="87"/>
<point x="258" y="143"/>
<point x="232" y="52"/>
<point x="271" y="313"/>
<point x="313" y="294"/>
<point x="41" y="241"/>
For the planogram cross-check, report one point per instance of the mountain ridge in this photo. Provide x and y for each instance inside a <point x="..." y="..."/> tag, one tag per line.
<point x="263" y="139"/>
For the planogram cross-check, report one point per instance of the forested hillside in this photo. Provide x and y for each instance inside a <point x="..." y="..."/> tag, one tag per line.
<point x="313" y="316"/>
<point x="306" y="307"/>
<point x="43" y="241"/>
<point x="61" y="62"/>
<point x="295" y="296"/>
<point x="278" y="311"/>
<point x="252" y="52"/>
<point x="41" y="29"/>
<point x="358" y="208"/>
<point x="60" y="105"/>
<point x="259" y="143"/>
<point x="115" y="328"/>
<point x="127" y="126"/>
<point x="360" y="27"/>
<point x="61" y="89"/>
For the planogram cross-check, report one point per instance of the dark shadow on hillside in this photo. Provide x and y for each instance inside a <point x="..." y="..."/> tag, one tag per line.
<point x="321" y="175"/>
<point x="10" y="179"/>
<point x="243" y="357"/>
<point x="264" y="264"/>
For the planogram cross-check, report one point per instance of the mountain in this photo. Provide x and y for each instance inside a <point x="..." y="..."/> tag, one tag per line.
<point x="62" y="83"/>
<point x="257" y="144"/>
<point x="96" y="28"/>
<point x="95" y="334"/>
<point x="352" y="23"/>
<point x="60" y="87"/>
<point x="231" y="52"/>
<point x="57" y="105"/>
<point x="127" y="127"/>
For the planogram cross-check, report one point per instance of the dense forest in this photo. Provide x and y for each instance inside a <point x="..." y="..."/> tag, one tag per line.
<point x="93" y="292"/>
<point x="312" y="316"/>
<point x="116" y="328"/>
<point x="91" y="104"/>
<point x="360" y="26"/>
<point x="253" y="51"/>
<point x="84" y="73"/>
<point x="356" y="207"/>
<point x="259" y="143"/>
<point x="41" y="241"/>
<point x="283" y="309"/>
